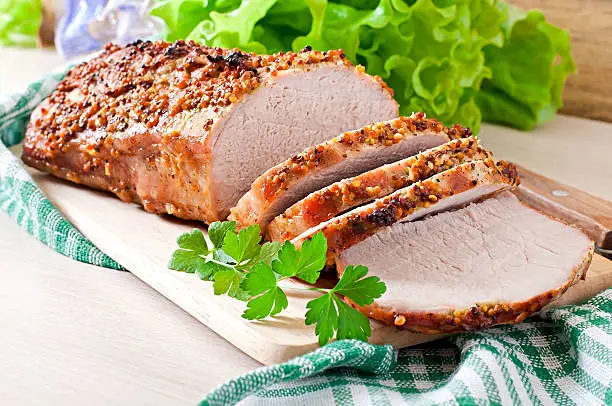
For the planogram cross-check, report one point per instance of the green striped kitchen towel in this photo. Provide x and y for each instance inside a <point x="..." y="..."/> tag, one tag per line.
<point x="19" y="195"/>
<point x="564" y="356"/>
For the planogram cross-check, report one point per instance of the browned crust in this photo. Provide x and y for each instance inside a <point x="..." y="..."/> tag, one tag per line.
<point x="353" y="227"/>
<point x="477" y="317"/>
<point x="277" y="180"/>
<point x="132" y="106"/>
<point x="149" y="83"/>
<point x="385" y="133"/>
<point x="346" y="194"/>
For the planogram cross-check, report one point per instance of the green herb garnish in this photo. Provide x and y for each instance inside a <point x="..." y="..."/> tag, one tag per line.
<point x="241" y="267"/>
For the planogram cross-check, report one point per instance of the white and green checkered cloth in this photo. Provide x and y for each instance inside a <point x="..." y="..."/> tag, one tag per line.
<point x="564" y="356"/>
<point x="19" y="195"/>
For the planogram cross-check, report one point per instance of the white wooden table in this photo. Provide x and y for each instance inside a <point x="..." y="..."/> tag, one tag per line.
<point x="72" y="333"/>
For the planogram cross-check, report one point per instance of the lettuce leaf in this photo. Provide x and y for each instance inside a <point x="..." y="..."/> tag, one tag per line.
<point x="528" y="72"/>
<point x="457" y="60"/>
<point x="19" y="22"/>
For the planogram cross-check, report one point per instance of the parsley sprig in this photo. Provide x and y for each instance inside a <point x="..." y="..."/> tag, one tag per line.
<point x="243" y="268"/>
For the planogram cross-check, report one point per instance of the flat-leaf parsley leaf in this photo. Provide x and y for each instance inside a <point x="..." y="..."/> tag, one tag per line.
<point x="331" y="314"/>
<point x="190" y="255"/>
<point x="269" y="299"/>
<point x="243" y="269"/>
<point x="244" y="245"/>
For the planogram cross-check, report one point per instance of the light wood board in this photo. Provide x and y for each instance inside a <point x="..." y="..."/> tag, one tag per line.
<point x="143" y="243"/>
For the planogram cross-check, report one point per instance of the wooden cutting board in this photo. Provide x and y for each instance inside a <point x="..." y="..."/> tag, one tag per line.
<point x="589" y="213"/>
<point x="143" y="243"/>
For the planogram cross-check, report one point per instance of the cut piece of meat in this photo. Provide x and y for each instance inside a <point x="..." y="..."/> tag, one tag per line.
<point x="346" y="155"/>
<point x="450" y="189"/>
<point x="346" y="194"/>
<point x="493" y="262"/>
<point x="185" y="129"/>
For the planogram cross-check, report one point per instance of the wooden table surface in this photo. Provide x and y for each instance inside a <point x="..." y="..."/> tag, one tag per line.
<point x="72" y="333"/>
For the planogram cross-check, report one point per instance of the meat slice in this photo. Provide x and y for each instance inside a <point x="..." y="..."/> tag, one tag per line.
<point x="493" y="262"/>
<point x="185" y="129"/>
<point x="346" y="194"/>
<point x="450" y="189"/>
<point x="346" y="155"/>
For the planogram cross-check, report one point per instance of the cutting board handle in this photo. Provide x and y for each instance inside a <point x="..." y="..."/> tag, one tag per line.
<point x="590" y="213"/>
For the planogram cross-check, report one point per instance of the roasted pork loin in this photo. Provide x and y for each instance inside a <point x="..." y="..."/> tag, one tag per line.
<point x="194" y="131"/>
<point x="493" y="262"/>
<point x="349" y="154"/>
<point x="453" y="188"/>
<point x="185" y="129"/>
<point x="346" y="194"/>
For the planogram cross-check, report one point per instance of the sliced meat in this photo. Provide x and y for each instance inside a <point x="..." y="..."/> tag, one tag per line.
<point x="344" y="195"/>
<point x="453" y="188"/>
<point x="185" y="129"/>
<point x="347" y="155"/>
<point x="489" y="263"/>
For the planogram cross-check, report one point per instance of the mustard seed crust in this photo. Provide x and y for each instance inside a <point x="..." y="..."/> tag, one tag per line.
<point x="147" y="84"/>
<point x="349" y="229"/>
<point x="346" y="194"/>
<point x="136" y="119"/>
<point x="382" y="134"/>
<point x="251" y="209"/>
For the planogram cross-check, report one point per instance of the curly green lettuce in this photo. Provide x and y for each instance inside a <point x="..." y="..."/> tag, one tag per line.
<point x="19" y="22"/>
<point x="461" y="61"/>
